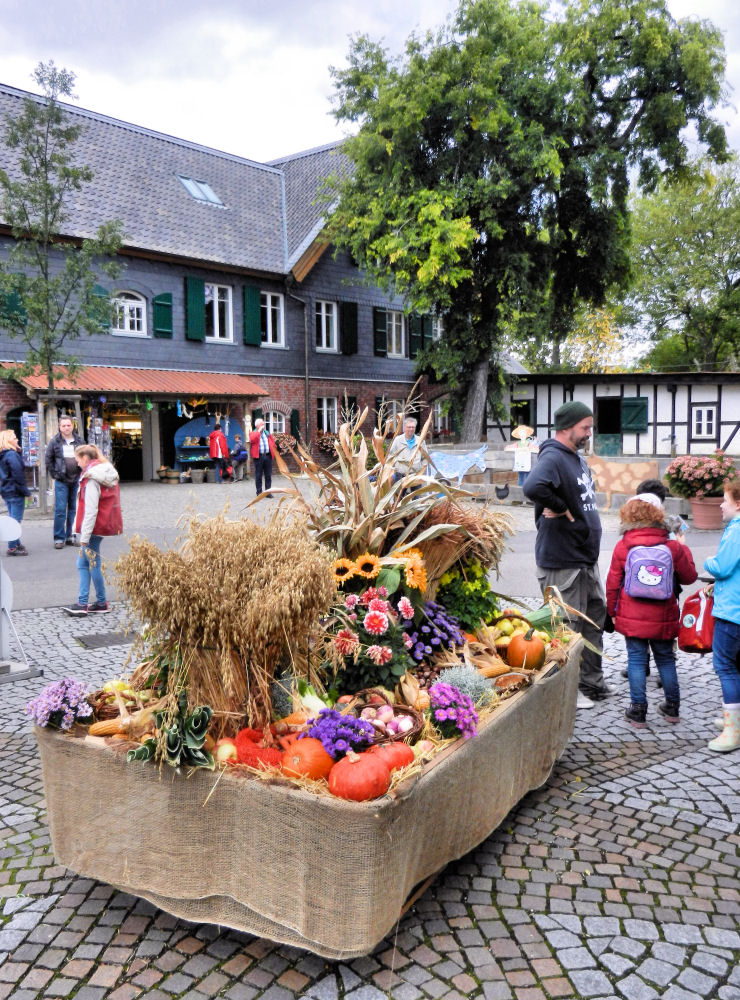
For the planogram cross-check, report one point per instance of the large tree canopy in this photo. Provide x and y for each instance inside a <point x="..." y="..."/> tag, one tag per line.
<point x="490" y="167"/>
<point x="687" y="270"/>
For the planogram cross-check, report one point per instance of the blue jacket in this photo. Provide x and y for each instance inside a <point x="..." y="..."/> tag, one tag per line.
<point x="725" y="568"/>
<point x="12" y="475"/>
<point x="562" y="481"/>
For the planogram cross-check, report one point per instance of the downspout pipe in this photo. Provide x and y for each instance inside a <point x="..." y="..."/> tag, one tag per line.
<point x="306" y="355"/>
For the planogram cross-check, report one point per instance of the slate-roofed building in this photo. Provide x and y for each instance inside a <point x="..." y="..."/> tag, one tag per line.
<point x="225" y="274"/>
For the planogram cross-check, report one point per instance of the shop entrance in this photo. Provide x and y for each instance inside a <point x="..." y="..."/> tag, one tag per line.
<point x="125" y="432"/>
<point x="169" y="422"/>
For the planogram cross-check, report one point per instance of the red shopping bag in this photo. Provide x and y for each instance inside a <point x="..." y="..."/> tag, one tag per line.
<point x="696" y="627"/>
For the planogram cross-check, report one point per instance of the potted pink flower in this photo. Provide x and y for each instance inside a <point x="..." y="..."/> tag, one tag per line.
<point x="701" y="479"/>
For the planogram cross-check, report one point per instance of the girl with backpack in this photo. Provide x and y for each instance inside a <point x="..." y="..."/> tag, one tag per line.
<point x="98" y="514"/>
<point x="641" y="598"/>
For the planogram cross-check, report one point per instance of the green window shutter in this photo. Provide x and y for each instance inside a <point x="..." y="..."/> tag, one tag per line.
<point x="295" y="424"/>
<point x="257" y="414"/>
<point x="634" y="415"/>
<point x="252" y="328"/>
<point x="427" y="327"/>
<point x="415" y="334"/>
<point x="380" y="336"/>
<point x="162" y="314"/>
<point x="348" y="327"/>
<point x="12" y="311"/>
<point x="195" y="308"/>
<point x="102" y="307"/>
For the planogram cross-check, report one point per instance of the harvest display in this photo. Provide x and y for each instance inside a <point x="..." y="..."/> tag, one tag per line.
<point x="329" y="652"/>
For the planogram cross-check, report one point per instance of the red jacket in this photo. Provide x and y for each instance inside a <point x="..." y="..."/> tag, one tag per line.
<point x="254" y="444"/>
<point x="637" y="617"/>
<point x="219" y="436"/>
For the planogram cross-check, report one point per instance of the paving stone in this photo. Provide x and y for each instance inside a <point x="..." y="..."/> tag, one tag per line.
<point x="590" y="983"/>
<point x="634" y="988"/>
<point x="655" y="971"/>
<point x="694" y="980"/>
<point x="682" y="934"/>
<point x="325" y="989"/>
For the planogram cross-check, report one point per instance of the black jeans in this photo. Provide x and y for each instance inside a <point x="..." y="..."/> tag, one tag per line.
<point x="263" y="467"/>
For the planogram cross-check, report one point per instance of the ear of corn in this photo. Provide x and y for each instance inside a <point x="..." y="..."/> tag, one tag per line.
<point x="108" y="727"/>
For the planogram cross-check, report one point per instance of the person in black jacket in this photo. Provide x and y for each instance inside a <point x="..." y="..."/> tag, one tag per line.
<point x="569" y="537"/>
<point x="13" y="485"/>
<point x="63" y="469"/>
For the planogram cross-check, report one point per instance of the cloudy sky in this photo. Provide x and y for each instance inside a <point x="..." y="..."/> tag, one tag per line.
<point x="246" y="76"/>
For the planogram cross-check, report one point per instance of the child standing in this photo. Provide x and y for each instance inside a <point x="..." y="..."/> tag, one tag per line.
<point x="725" y="568"/>
<point x="648" y="622"/>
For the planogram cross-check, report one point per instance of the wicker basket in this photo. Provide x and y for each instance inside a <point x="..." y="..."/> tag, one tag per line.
<point x="361" y="700"/>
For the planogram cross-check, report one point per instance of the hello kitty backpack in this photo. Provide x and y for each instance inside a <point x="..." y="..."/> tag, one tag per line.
<point x="648" y="572"/>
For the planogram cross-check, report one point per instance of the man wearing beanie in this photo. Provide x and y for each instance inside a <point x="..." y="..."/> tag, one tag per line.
<point x="569" y="536"/>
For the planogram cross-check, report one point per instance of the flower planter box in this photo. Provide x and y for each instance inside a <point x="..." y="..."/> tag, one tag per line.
<point x="273" y="860"/>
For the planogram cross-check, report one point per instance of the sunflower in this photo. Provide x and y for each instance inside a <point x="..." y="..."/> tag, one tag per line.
<point x="367" y="565"/>
<point x="409" y="554"/>
<point x="415" y="574"/>
<point x="343" y="569"/>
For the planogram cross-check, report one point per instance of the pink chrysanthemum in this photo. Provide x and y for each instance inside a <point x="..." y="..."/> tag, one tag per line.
<point x="346" y="641"/>
<point x="380" y="654"/>
<point x="407" y="640"/>
<point x="350" y="601"/>
<point x="406" y="608"/>
<point x="376" y="622"/>
<point x="368" y="595"/>
<point x="378" y="605"/>
<point x="382" y="591"/>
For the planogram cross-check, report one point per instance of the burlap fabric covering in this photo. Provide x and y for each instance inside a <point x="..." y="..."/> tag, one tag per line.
<point x="276" y="861"/>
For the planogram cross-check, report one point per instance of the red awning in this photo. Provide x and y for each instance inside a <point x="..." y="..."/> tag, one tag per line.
<point x="151" y="381"/>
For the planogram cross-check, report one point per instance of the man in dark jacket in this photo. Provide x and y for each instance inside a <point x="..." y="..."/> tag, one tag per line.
<point x="569" y="536"/>
<point x="64" y="470"/>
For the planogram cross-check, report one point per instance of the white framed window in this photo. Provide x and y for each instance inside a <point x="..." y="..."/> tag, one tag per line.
<point x="394" y="329"/>
<point x="274" y="422"/>
<point x="705" y="422"/>
<point x="326" y="326"/>
<point x="200" y="190"/>
<point x="326" y="413"/>
<point x="394" y="408"/>
<point x="438" y="328"/>
<point x="218" y="313"/>
<point x="128" y="314"/>
<point x="441" y="419"/>
<point x="271" y="319"/>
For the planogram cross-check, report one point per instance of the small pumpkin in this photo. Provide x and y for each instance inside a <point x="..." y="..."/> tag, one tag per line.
<point x="359" y="776"/>
<point x="395" y="755"/>
<point x="526" y="650"/>
<point x="307" y="758"/>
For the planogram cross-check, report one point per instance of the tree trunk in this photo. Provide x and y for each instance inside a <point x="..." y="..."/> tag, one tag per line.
<point x="475" y="404"/>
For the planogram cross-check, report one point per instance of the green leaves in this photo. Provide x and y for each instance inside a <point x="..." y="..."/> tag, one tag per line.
<point x="182" y="737"/>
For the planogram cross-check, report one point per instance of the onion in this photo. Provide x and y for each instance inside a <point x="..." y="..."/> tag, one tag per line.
<point x="368" y="713"/>
<point x="392" y="726"/>
<point x="404" y="724"/>
<point x="380" y="726"/>
<point x="385" y="713"/>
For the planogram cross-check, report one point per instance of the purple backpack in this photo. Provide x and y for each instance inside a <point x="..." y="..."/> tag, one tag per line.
<point x="648" y="572"/>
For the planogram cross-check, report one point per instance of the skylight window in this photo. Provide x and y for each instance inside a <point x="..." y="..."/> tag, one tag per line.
<point x="200" y="190"/>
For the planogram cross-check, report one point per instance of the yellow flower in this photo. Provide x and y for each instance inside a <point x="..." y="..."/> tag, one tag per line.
<point x="343" y="569"/>
<point x="415" y="574"/>
<point x="409" y="554"/>
<point x="367" y="565"/>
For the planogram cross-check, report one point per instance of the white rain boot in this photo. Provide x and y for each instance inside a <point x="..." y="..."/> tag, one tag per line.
<point x="729" y="738"/>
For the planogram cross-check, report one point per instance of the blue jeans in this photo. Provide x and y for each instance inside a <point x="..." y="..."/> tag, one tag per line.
<point x="726" y="659"/>
<point x="16" y="506"/>
<point x="522" y="478"/>
<point x="637" y="661"/>
<point x="65" y="495"/>
<point x="88" y="567"/>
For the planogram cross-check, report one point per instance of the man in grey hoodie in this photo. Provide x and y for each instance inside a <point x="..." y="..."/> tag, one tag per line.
<point x="569" y="537"/>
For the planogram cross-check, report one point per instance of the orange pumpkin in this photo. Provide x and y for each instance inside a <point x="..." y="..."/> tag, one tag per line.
<point x="307" y="758"/>
<point x="526" y="650"/>
<point x="395" y="755"/>
<point x="359" y="777"/>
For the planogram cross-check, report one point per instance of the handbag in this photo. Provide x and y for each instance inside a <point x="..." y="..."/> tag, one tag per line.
<point x="696" y="627"/>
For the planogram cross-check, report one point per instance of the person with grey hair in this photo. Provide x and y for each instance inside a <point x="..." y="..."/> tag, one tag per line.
<point x="408" y="458"/>
<point x="569" y="538"/>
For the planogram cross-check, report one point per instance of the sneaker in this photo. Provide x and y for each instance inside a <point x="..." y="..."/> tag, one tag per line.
<point x="72" y="541"/>
<point x="583" y="701"/>
<point x="19" y="550"/>
<point x="669" y="711"/>
<point x="607" y="691"/>
<point x="58" y="545"/>
<point x="99" y="608"/>
<point x="636" y="715"/>
<point x="76" y="609"/>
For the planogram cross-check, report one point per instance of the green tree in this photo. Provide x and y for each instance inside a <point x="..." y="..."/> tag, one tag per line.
<point x="490" y="170"/>
<point x="49" y="281"/>
<point x="687" y="269"/>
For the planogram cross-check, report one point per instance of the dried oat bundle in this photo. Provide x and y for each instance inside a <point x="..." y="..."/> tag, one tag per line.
<point x="233" y="600"/>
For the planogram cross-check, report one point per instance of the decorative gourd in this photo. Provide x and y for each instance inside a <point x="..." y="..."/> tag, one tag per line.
<point x="307" y="758"/>
<point x="394" y="754"/>
<point x="359" y="777"/>
<point x="526" y="650"/>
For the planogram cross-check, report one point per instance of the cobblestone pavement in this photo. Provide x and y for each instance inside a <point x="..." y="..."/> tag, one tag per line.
<point x="618" y="878"/>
